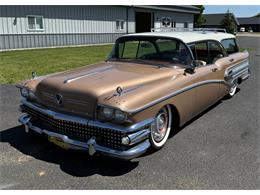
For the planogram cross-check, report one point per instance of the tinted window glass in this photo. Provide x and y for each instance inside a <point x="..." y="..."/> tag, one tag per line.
<point x="166" y="45"/>
<point x="215" y="52"/>
<point x="150" y="48"/>
<point x="145" y="49"/>
<point x="201" y="52"/>
<point x="230" y="45"/>
<point x="129" y="49"/>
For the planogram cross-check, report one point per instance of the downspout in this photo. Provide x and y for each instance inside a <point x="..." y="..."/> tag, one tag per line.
<point x="127" y="19"/>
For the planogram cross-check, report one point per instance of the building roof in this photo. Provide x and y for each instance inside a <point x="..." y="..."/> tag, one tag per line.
<point x="188" y="37"/>
<point x="215" y="19"/>
<point x="174" y="8"/>
<point x="249" y="20"/>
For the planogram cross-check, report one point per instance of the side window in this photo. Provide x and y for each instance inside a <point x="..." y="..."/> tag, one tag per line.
<point x="174" y="51"/>
<point x="215" y="51"/>
<point x="230" y="45"/>
<point x="201" y="52"/>
<point x="166" y="45"/>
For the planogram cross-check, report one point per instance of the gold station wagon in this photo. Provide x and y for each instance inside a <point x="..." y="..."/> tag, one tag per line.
<point x="151" y="84"/>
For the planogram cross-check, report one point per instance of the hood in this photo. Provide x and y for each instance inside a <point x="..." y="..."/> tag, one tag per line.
<point x="81" y="88"/>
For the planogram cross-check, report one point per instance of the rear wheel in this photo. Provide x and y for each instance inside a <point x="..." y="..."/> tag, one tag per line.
<point x="162" y="128"/>
<point x="232" y="90"/>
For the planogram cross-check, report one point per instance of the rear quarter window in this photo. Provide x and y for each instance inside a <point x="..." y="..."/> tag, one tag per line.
<point x="230" y="45"/>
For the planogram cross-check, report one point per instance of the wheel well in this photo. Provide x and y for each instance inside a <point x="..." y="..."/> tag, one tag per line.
<point x="239" y="80"/>
<point x="175" y="118"/>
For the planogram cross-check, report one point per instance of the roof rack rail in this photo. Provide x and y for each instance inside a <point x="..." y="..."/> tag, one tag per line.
<point x="180" y="29"/>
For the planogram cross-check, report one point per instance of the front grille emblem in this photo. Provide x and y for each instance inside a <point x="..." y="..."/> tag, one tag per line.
<point x="59" y="99"/>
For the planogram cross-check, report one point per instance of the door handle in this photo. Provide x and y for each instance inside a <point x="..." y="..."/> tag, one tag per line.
<point x="231" y="60"/>
<point x="214" y="69"/>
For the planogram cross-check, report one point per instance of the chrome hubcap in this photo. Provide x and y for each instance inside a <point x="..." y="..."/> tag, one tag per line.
<point x="161" y="126"/>
<point x="232" y="90"/>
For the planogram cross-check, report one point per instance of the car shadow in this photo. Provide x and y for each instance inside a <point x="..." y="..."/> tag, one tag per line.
<point x="72" y="162"/>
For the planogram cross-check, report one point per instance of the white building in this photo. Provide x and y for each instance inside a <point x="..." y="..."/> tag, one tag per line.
<point x="47" y="26"/>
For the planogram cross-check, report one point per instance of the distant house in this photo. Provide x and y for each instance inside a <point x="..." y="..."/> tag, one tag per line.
<point x="250" y="23"/>
<point x="214" y="20"/>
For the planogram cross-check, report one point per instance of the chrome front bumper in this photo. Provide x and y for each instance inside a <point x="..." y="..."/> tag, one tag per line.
<point x="137" y="133"/>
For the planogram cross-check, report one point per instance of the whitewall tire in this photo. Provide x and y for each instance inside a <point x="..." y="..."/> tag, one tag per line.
<point x="232" y="90"/>
<point x="162" y="128"/>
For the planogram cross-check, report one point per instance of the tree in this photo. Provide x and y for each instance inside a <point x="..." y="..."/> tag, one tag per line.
<point x="199" y="19"/>
<point x="229" y="23"/>
<point x="257" y="15"/>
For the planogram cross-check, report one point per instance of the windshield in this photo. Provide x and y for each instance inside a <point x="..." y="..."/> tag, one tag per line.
<point x="151" y="49"/>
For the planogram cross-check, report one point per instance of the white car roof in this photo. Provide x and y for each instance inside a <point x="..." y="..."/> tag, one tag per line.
<point x="189" y="37"/>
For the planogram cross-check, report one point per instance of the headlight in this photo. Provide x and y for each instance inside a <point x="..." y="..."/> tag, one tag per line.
<point x="108" y="112"/>
<point x="31" y="95"/>
<point x="119" y="115"/>
<point x="24" y="92"/>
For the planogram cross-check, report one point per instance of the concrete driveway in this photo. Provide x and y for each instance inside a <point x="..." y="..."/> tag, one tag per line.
<point x="220" y="149"/>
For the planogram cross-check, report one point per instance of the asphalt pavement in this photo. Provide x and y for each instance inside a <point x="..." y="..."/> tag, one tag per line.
<point x="220" y="149"/>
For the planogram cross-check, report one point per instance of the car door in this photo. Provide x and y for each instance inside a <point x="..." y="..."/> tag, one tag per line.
<point x="207" y="74"/>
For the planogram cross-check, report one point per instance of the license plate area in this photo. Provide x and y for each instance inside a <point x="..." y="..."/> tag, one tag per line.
<point x="59" y="142"/>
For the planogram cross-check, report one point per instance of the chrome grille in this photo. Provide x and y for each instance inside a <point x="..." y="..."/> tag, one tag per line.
<point x="77" y="131"/>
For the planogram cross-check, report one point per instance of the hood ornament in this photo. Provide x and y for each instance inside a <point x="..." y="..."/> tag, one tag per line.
<point x="119" y="91"/>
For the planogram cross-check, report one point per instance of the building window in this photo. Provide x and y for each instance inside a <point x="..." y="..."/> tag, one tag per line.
<point x="173" y="24"/>
<point x="186" y="25"/>
<point x="35" y="22"/>
<point x="120" y="24"/>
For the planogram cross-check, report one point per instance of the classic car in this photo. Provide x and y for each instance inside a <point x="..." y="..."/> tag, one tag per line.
<point x="151" y="84"/>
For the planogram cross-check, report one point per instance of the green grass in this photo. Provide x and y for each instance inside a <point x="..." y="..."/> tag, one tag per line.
<point x="247" y="48"/>
<point x="16" y="66"/>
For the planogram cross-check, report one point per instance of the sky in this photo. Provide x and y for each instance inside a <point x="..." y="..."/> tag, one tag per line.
<point x="238" y="10"/>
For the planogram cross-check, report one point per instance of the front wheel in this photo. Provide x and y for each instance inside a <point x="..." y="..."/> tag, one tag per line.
<point x="162" y="128"/>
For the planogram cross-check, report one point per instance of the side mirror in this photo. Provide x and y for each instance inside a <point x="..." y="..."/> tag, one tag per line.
<point x="190" y="70"/>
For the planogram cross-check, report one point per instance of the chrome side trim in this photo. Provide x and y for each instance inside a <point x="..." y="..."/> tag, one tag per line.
<point x="91" y="146"/>
<point x="139" y="136"/>
<point x="79" y="77"/>
<point x="236" y="71"/>
<point x="85" y="121"/>
<point x="177" y="92"/>
<point x="86" y="75"/>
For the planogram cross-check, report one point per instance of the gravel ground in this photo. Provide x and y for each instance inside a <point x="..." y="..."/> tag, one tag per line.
<point x="217" y="150"/>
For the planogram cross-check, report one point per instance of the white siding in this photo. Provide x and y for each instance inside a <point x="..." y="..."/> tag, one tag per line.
<point x="62" y="19"/>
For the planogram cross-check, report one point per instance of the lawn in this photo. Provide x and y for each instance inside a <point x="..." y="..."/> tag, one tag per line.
<point x="16" y="66"/>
